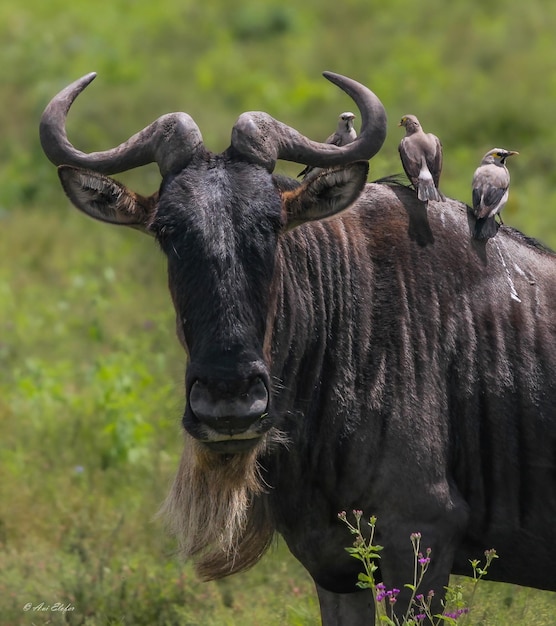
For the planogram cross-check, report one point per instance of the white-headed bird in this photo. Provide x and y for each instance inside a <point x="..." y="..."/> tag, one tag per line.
<point x="344" y="134"/>
<point x="491" y="183"/>
<point x="421" y="155"/>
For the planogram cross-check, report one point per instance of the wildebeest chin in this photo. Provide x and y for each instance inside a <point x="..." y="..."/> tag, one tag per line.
<point x="348" y="347"/>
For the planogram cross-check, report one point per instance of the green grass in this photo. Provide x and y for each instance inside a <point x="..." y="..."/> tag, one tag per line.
<point x="91" y="384"/>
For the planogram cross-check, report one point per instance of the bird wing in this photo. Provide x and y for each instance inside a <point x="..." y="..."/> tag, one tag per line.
<point x="477" y="200"/>
<point x="434" y="161"/>
<point x="410" y="155"/>
<point x="490" y="190"/>
<point x="488" y="199"/>
<point x="493" y="199"/>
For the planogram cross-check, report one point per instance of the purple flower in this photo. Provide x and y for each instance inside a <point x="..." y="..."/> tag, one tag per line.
<point x="457" y="613"/>
<point x="383" y="593"/>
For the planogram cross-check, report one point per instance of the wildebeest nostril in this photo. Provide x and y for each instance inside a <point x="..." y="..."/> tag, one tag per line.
<point x="227" y="405"/>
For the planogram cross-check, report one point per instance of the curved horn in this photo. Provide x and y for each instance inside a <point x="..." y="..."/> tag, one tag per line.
<point x="264" y="140"/>
<point x="170" y="141"/>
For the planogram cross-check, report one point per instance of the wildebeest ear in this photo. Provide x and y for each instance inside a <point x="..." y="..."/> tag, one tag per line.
<point x="325" y="195"/>
<point x="106" y="199"/>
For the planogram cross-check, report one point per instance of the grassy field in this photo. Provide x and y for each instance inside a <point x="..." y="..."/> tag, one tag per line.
<point x="91" y="375"/>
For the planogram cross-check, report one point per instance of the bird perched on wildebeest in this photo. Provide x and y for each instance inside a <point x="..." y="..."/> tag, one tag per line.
<point x="421" y="155"/>
<point x="491" y="183"/>
<point x="344" y="134"/>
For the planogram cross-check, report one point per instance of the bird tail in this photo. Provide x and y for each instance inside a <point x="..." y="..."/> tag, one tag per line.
<point x="426" y="189"/>
<point x="485" y="228"/>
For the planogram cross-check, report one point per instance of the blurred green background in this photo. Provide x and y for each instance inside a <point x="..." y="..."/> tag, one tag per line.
<point x="90" y="371"/>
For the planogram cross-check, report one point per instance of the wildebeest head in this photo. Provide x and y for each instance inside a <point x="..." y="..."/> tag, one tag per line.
<point x="218" y="218"/>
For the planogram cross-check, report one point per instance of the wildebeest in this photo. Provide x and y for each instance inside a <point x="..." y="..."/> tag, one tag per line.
<point x="348" y="348"/>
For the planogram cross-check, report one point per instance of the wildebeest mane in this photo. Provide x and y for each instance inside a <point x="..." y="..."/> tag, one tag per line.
<point x="529" y="241"/>
<point x="393" y="180"/>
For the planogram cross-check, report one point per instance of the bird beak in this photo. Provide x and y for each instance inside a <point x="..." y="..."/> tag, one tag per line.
<point x="511" y="152"/>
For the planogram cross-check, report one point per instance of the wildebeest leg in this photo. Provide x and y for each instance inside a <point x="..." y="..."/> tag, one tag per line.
<point x="346" y="609"/>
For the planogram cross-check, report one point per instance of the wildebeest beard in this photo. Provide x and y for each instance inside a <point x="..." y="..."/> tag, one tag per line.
<point x="215" y="508"/>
